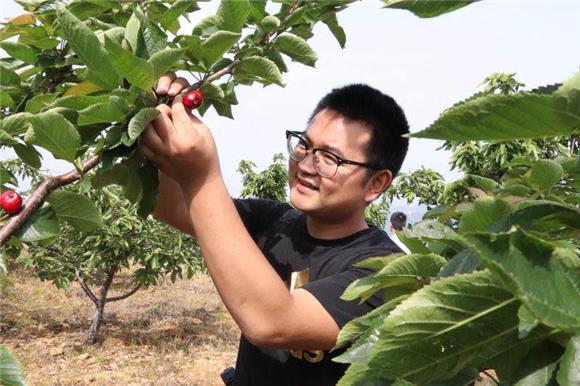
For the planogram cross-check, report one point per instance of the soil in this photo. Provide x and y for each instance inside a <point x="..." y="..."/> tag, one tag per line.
<point x="170" y="334"/>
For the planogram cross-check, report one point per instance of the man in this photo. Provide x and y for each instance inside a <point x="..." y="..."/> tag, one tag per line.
<point x="280" y="271"/>
<point x="398" y="222"/>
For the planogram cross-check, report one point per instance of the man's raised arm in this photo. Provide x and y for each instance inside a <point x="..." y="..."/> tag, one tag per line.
<point x="171" y="208"/>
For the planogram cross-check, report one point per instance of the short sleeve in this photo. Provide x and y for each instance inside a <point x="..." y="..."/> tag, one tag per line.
<point x="329" y="290"/>
<point x="259" y="214"/>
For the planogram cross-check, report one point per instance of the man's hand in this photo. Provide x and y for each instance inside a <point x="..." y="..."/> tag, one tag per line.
<point x="177" y="142"/>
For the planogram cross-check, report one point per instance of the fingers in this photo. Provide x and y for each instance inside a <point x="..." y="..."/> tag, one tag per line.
<point x="163" y="123"/>
<point x="164" y="83"/>
<point x="177" y="86"/>
<point x="150" y="138"/>
<point x="181" y="116"/>
<point x="146" y="151"/>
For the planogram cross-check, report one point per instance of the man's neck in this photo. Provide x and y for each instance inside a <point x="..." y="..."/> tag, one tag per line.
<point x="337" y="229"/>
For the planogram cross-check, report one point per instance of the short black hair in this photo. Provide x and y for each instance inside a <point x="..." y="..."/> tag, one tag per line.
<point x="380" y="112"/>
<point x="398" y="220"/>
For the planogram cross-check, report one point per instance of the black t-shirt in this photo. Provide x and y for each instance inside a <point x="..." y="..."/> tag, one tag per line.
<point x="322" y="267"/>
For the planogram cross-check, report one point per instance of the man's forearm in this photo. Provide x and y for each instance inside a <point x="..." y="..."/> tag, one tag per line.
<point x="249" y="286"/>
<point x="171" y="207"/>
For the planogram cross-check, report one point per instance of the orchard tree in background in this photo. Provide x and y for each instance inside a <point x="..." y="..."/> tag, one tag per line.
<point x="148" y="249"/>
<point x="270" y="183"/>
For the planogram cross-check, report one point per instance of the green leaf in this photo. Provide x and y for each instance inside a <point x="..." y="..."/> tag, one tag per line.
<point x="133" y="33"/>
<point x="403" y="271"/>
<point x="548" y="216"/>
<point x="177" y="9"/>
<point x="428" y="8"/>
<point x="211" y="91"/>
<point x="526" y="263"/>
<point x="487" y="184"/>
<point x="569" y="373"/>
<point x="358" y="326"/>
<point x="331" y="22"/>
<point x="223" y="109"/>
<point x="537" y="368"/>
<point x="232" y="14"/>
<point x="216" y="45"/>
<point x="2" y="269"/>
<point x="88" y="48"/>
<point x="504" y="117"/>
<point x="6" y="100"/>
<point x="435" y="231"/>
<point x="8" y="77"/>
<point x="379" y="262"/>
<point x="164" y="60"/>
<point x="444" y="327"/>
<point x="464" y="262"/>
<point x="139" y="122"/>
<point x="527" y="321"/>
<point x="11" y="373"/>
<point x="41" y="225"/>
<point x="485" y="212"/>
<point x="296" y="48"/>
<point x="259" y="69"/>
<point x="54" y="133"/>
<point x="149" y="177"/>
<point x="155" y="39"/>
<point x="28" y="155"/>
<point x="136" y="70"/>
<point x="7" y="139"/>
<point x="77" y="210"/>
<point x="19" y="51"/>
<point x="545" y="173"/>
<point x="6" y="177"/>
<point x="112" y="110"/>
<point x="39" y="102"/>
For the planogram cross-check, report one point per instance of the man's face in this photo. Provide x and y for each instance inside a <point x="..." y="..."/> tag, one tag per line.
<point x="342" y="195"/>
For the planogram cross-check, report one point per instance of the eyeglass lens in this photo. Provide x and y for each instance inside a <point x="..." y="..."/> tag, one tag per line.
<point x="325" y="163"/>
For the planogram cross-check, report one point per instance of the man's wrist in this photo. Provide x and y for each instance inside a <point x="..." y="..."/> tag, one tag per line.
<point x="191" y="189"/>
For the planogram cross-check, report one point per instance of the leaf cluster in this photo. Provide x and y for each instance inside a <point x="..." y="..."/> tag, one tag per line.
<point x="492" y="279"/>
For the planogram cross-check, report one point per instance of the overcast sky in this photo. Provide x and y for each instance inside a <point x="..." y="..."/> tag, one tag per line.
<point x="425" y="64"/>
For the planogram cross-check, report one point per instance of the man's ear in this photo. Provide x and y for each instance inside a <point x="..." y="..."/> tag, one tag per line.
<point x="377" y="184"/>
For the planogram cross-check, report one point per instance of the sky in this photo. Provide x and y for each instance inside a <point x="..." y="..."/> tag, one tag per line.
<point x="427" y="65"/>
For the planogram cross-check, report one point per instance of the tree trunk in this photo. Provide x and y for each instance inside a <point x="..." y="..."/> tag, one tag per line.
<point x="93" y="331"/>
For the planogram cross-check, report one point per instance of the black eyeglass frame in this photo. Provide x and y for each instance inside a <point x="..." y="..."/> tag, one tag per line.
<point x="339" y="159"/>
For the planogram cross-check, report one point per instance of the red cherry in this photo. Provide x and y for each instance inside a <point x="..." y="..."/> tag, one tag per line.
<point x="11" y="202"/>
<point x="193" y="99"/>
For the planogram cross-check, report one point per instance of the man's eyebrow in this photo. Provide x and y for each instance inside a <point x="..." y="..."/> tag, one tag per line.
<point x="332" y="149"/>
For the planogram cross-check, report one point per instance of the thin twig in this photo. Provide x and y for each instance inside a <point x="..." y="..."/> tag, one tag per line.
<point x="125" y="296"/>
<point x="491" y="377"/>
<point x="84" y="286"/>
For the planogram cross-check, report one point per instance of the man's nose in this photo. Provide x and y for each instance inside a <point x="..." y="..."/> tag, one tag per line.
<point x="307" y="164"/>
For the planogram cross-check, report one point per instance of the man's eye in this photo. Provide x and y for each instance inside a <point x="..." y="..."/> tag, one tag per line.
<point x="328" y="159"/>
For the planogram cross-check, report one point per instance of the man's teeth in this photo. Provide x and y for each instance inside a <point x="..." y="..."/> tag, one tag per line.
<point x="308" y="185"/>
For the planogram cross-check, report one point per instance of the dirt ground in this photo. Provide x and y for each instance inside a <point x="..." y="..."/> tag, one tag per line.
<point x="170" y="334"/>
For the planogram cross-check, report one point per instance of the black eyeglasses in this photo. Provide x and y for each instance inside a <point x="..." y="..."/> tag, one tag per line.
<point x="325" y="162"/>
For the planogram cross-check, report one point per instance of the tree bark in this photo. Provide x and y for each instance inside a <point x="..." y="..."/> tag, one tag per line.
<point x="93" y="332"/>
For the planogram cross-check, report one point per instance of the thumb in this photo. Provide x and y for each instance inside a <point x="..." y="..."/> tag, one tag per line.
<point x="183" y="117"/>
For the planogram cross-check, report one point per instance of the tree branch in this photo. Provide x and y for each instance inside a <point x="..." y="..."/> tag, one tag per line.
<point x="84" y="286"/>
<point x="125" y="296"/>
<point x="39" y="196"/>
